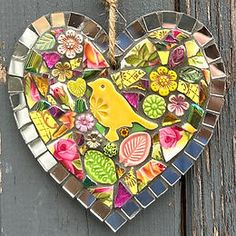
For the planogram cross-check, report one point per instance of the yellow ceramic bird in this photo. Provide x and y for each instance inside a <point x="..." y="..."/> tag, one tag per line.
<point x="112" y="110"/>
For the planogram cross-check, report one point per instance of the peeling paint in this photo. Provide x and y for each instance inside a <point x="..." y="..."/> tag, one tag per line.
<point x="188" y="6"/>
<point x="222" y="204"/>
<point x="207" y="158"/>
<point x="216" y="232"/>
<point x="212" y="204"/>
<point x="199" y="209"/>
<point x="3" y="71"/>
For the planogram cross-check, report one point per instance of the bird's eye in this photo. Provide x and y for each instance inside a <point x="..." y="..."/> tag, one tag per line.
<point x="102" y="86"/>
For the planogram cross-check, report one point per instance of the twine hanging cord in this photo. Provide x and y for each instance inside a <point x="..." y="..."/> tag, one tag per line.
<point x="112" y="7"/>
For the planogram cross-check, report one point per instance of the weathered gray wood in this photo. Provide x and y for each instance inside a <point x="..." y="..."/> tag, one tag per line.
<point x="210" y="185"/>
<point x="31" y="203"/>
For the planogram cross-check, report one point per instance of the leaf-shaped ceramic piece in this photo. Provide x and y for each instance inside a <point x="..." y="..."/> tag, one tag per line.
<point x="191" y="74"/>
<point x="46" y="42"/>
<point x="135" y="149"/>
<point x="99" y="167"/>
<point x="77" y="88"/>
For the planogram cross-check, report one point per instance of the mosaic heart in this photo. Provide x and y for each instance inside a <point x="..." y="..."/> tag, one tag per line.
<point x="116" y="140"/>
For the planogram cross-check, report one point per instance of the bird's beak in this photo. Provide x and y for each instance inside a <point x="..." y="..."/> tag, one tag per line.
<point x="90" y="84"/>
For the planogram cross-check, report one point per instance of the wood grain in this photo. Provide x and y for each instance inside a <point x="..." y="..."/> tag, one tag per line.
<point x="210" y="185"/>
<point x="202" y="203"/>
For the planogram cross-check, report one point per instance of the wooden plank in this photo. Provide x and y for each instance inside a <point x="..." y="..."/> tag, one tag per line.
<point x="31" y="203"/>
<point x="160" y="213"/>
<point x="210" y="185"/>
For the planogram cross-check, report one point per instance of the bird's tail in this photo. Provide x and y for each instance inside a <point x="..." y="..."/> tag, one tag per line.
<point x="145" y="123"/>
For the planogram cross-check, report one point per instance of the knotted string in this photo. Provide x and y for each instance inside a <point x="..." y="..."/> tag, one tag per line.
<point x="112" y="7"/>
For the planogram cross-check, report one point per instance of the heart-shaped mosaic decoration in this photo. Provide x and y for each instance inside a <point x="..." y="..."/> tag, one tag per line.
<point x="116" y="139"/>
